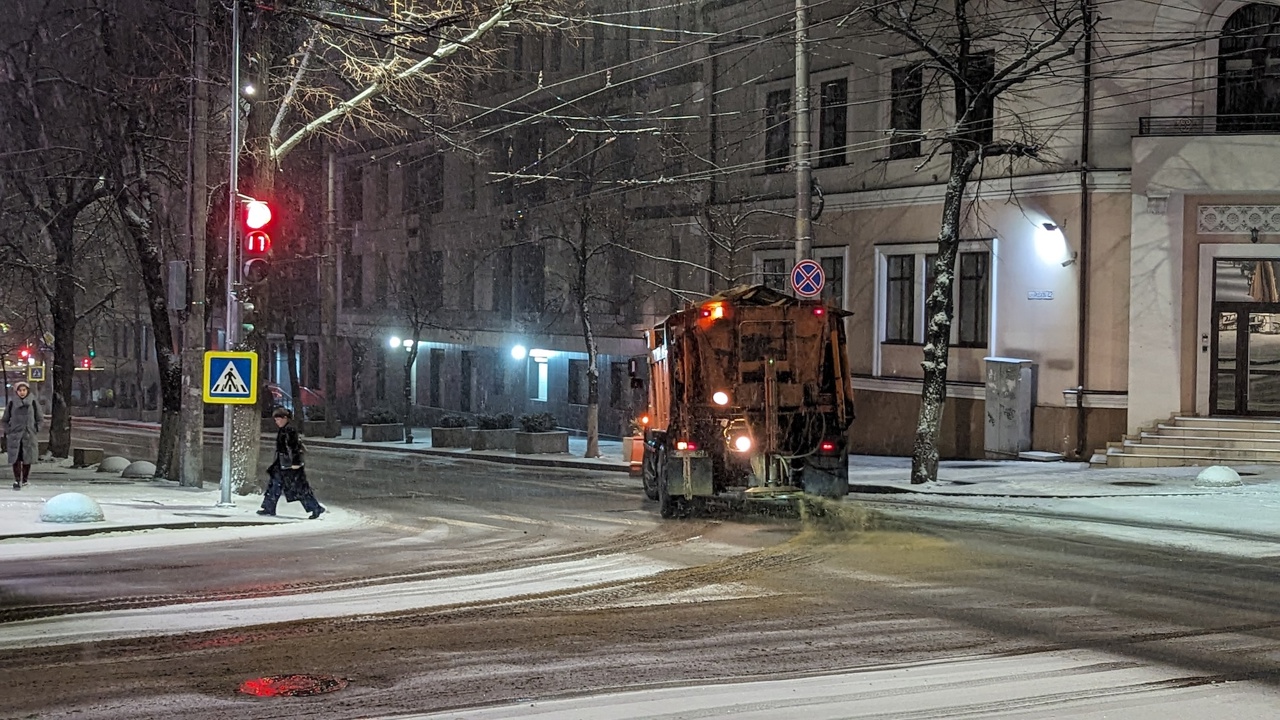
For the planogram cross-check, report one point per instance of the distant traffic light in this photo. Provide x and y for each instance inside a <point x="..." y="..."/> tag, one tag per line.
<point x="86" y="363"/>
<point x="259" y="224"/>
<point x="25" y="353"/>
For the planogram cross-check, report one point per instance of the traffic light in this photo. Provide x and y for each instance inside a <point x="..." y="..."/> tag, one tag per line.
<point x="248" y="317"/>
<point x="86" y="363"/>
<point x="259" y="224"/>
<point x="25" y="353"/>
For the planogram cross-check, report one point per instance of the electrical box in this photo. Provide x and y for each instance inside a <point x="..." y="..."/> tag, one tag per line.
<point x="1010" y="398"/>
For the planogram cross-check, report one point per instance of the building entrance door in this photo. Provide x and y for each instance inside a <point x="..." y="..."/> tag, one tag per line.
<point x="1246" y="338"/>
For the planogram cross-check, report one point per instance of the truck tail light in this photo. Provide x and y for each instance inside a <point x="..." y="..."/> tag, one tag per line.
<point x="686" y="445"/>
<point x="827" y="446"/>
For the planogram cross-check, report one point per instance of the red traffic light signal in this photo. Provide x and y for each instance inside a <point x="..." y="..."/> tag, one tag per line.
<point x="86" y="363"/>
<point x="24" y="353"/>
<point x="257" y="214"/>
<point x="257" y="228"/>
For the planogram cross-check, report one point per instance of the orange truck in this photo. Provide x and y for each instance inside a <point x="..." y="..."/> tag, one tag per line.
<point x="749" y="400"/>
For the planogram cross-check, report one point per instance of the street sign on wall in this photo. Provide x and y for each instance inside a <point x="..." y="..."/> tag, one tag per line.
<point x="230" y="378"/>
<point x="807" y="278"/>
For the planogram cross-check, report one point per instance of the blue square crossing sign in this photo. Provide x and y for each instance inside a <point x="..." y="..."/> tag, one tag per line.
<point x="230" y="378"/>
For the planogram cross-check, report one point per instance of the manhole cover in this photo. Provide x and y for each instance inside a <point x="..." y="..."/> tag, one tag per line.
<point x="1134" y="483"/>
<point x="292" y="685"/>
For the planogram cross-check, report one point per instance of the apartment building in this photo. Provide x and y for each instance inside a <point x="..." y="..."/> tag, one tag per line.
<point x="1130" y="265"/>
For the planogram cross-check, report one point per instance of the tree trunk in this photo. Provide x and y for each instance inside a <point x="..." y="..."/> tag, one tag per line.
<point x="939" y="308"/>
<point x="358" y="348"/>
<point x="410" y="357"/>
<point x="151" y="271"/>
<point x="191" y="419"/>
<point x="589" y="336"/>
<point x="329" y="297"/>
<point x="63" y="309"/>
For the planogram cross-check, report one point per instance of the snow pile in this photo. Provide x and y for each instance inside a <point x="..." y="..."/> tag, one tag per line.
<point x="1218" y="476"/>
<point x="139" y="469"/>
<point x="113" y="464"/>
<point x="71" y="508"/>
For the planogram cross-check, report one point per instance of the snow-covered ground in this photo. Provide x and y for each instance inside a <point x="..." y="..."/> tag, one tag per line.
<point x="1077" y="684"/>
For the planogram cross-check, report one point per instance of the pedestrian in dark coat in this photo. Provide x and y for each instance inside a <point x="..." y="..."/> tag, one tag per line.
<point x="288" y="472"/>
<point x="22" y="420"/>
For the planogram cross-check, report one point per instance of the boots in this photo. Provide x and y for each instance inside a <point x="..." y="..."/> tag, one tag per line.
<point x="17" y="476"/>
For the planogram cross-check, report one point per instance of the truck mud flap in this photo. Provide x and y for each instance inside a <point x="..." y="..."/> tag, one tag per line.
<point x="690" y="477"/>
<point x="826" y="476"/>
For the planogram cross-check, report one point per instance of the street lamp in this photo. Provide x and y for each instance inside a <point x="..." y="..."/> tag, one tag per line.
<point x="519" y="352"/>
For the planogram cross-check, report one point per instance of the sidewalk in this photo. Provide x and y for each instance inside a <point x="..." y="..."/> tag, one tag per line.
<point x="140" y="514"/>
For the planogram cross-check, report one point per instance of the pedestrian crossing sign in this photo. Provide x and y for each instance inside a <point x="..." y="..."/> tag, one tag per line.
<point x="230" y="378"/>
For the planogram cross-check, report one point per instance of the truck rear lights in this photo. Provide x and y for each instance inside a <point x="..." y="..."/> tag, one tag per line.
<point x="742" y="443"/>
<point x="720" y="397"/>
<point x="819" y="311"/>
<point x="827" y="446"/>
<point x="686" y="445"/>
<point x="713" y="311"/>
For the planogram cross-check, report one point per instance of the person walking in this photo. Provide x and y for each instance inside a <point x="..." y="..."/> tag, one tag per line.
<point x="288" y="473"/>
<point x="22" y="420"/>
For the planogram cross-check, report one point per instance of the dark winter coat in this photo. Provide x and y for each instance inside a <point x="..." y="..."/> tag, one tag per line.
<point x="22" y="420"/>
<point x="290" y="451"/>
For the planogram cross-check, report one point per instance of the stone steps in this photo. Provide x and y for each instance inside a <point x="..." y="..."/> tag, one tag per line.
<point x="1196" y="441"/>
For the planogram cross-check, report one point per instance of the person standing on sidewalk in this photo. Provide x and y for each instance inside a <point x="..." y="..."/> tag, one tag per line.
<point x="287" y="472"/>
<point x="22" y="420"/>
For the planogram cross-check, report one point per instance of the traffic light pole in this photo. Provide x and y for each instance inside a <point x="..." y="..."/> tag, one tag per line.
<point x="233" y="199"/>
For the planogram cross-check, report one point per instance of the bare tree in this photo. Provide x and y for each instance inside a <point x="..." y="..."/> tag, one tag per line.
<point x="980" y="51"/>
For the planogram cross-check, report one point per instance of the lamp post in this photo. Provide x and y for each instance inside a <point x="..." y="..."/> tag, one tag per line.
<point x="410" y="346"/>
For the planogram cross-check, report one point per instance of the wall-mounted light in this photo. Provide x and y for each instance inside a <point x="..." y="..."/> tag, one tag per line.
<point x="519" y="352"/>
<point x="394" y="342"/>
<point x="1051" y="244"/>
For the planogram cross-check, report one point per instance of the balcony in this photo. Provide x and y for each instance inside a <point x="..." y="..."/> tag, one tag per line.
<point x="1165" y="126"/>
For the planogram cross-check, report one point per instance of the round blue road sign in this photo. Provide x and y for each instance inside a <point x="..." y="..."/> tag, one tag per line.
<point x="807" y="278"/>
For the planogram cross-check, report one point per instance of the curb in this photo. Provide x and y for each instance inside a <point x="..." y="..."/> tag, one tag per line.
<point x="187" y="525"/>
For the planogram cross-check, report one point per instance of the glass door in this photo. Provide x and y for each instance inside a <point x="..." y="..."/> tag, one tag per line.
<point x="1246" y="369"/>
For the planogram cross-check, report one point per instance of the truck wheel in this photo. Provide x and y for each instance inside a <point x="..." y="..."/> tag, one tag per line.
<point x="649" y="472"/>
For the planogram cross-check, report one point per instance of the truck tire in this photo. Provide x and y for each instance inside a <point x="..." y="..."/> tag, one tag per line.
<point x="649" y="471"/>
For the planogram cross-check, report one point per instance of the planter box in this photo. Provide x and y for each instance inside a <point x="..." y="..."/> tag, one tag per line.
<point x="321" y="428"/>
<point x="451" y="437"/>
<point x="392" y="432"/>
<point x="556" y="441"/>
<point x="633" y="451"/>
<point x="504" y="439"/>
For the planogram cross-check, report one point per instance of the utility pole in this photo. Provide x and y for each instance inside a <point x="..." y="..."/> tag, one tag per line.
<point x="803" y="142"/>
<point x="191" y="428"/>
<point x="233" y="202"/>
<point x="329" y="296"/>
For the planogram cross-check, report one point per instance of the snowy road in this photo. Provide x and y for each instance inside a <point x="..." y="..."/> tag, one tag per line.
<point x="1082" y="685"/>
<point x="517" y="593"/>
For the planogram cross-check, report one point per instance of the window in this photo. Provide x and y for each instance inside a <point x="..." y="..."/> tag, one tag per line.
<point x="981" y="120"/>
<point x="834" y="123"/>
<point x="498" y="381"/>
<point x="436" y="389"/>
<point x="833" y="279"/>
<point x="1249" y="70"/>
<point x="464" y="389"/>
<point x="578" y="382"/>
<point x="430" y="183"/>
<point x="431" y="278"/>
<point x="504" y="187"/>
<point x="352" y="280"/>
<point x="909" y="280"/>
<point x="536" y="379"/>
<point x="619" y="379"/>
<point x="381" y="281"/>
<point x="353" y="195"/>
<point x="900" y="311"/>
<point x="380" y="376"/>
<point x="974" y="307"/>
<point x="777" y="130"/>
<point x="469" y="185"/>
<point x="530" y="270"/>
<point x="502" y="270"/>
<point x="907" y="96"/>
<point x="773" y="274"/>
